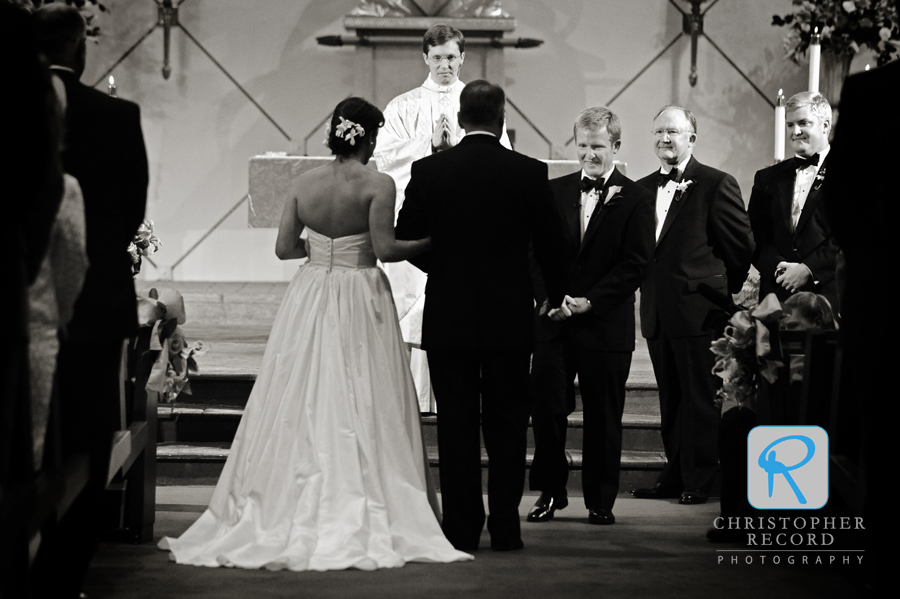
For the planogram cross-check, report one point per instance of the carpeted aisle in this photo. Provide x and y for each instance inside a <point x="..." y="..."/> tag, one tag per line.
<point x="656" y="549"/>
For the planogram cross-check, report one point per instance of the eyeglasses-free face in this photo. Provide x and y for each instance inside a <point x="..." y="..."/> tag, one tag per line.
<point x="444" y="61"/>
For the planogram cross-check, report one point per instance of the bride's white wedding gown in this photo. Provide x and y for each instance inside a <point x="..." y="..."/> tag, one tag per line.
<point x="327" y="470"/>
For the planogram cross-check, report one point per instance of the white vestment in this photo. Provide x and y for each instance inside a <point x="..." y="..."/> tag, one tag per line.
<point x="409" y="122"/>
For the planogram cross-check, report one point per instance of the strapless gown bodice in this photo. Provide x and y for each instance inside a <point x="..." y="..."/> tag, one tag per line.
<point x="350" y="251"/>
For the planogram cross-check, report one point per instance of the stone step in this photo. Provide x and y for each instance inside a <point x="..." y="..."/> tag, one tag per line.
<point x="202" y="463"/>
<point x="218" y="424"/>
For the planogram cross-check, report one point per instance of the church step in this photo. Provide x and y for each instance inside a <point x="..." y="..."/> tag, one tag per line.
<point x="202" y="463"/>
<point x="218" y="423"/>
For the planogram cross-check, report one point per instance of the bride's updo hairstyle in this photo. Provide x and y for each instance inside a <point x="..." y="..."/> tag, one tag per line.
<point x="344" y="139"/>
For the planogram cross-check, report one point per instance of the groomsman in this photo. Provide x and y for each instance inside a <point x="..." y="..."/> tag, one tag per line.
<point x="703" y="236"/>
<point x="104" y="150"/>
<point x="609" y="244"/>
<point x="795" y="250"/>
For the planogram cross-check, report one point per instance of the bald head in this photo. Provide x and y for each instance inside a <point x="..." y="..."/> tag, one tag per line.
<point x="61" y="35"/>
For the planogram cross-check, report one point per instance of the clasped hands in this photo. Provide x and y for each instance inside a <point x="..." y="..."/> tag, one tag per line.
<point x="570" y="306"/>
<point x="792" y="275"/>
<point x="443" y="137"/>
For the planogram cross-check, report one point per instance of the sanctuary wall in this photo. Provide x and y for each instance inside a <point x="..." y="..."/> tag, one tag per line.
<point x="201" y="130"/>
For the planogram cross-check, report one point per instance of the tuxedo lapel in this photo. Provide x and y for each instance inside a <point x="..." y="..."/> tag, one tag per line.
<point x="784" y="193"/>
<point x="812" y="198"/>
<point x="571" y="206"/>
<point x="678" y="202"/>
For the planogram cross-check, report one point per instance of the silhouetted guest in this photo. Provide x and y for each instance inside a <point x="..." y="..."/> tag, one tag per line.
<point x="858" y="204"/>
<point x="32" y="182"/>
<point x="104" y="150"/>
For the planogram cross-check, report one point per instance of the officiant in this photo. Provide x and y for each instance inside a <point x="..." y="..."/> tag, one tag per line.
<point x="419" y="123"/>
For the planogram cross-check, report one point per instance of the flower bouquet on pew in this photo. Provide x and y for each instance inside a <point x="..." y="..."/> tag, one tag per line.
<point x="145" y="243"/>
<point x="744" y="353"/>
<point x="173" y="358"/>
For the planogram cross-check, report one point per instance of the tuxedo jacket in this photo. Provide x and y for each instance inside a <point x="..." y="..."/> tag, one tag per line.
<point x="705" y="238"/>
<point x="104" y="150"/>
<point x="607" y="266"/>
<point x="482" y="205"/>
<point x="811" y="243"/>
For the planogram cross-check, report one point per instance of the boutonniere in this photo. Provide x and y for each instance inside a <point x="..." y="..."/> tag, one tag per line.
<point x="611" y="194"/>
<point x="820" y="178"/>
<point x="682" y="187"/>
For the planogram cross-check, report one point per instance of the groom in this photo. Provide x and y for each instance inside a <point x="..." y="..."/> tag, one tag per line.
<point x="482" y="205"/>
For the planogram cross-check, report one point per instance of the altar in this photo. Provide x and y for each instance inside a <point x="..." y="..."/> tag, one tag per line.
<point x="273" y="173"/>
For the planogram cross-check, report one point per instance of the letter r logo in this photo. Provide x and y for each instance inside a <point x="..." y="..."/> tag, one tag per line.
<point x="787" y="467"/>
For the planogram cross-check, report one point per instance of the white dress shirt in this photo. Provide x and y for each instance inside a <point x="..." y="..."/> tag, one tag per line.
<point x="665" y="194"/>
<point x="589" y="200"/>
<point x="803" y="182"/>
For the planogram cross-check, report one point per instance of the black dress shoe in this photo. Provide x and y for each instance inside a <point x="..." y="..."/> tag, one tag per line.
<point x="601" y="517"/>
<point x="657" y="491"/>
<point x="507" y="545"/>
<point x="545" y="506"/>
<point x="692" y="497"/>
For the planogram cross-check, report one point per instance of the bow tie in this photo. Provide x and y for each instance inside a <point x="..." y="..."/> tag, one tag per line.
<point x="802" y="163"/>
<point x="587" y="184"/>
<point x="663" y="178"/>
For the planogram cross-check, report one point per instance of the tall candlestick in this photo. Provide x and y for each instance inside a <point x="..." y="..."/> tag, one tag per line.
<point x="112" y="86"/>
<point x="779" y="127"/>
<point x="815" y="56"/>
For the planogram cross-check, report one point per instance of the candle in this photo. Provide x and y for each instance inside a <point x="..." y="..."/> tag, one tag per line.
<point x="867" y="67"/>
<point x="112" y="86"/>
<point x="779" y="127"/>
<point x="815" y="55"/>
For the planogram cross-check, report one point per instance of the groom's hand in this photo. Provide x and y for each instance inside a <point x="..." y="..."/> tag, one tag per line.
<point x="577" y="305"/>
<point x="560" y="314"/>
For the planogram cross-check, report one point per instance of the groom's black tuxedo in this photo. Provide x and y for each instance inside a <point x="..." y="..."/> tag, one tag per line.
<point x="776" y="240"/>
<point x="482" y="205"/>
<point x="705" y="238"/>
<point x="606" y="267"/>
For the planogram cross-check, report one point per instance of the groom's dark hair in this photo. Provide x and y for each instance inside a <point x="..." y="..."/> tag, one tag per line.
<point x="481" y="103"/>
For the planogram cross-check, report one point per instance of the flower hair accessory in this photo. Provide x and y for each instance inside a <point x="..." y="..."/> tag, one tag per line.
<point x="348" y="130"/>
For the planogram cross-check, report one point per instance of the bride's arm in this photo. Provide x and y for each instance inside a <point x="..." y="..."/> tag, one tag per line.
<point x="381" y="225"/>
<point x="289" y="246"/>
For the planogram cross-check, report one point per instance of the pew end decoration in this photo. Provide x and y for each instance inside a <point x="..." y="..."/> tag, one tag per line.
<point x="144" y="244"/>
<point x="745" y="353"/>
<point x="161" y="342"/>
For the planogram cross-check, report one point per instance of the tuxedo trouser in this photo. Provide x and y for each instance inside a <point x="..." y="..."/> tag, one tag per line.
<point x="16" y="464"/>
<point x="499" y="379"/>
<point x="601" y="376"/>
<point x="688" y="410"/>
<point x="88" y="378"/>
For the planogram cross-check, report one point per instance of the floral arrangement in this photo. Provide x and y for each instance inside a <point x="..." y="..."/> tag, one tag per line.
<point x="743" y="353"/>
<point x="173" y="357"/>
<point x="145" y="243"/>
<point x="845" y="26"/>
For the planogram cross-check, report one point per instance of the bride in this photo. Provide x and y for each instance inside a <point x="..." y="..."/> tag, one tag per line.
<point x="327" y="469"/>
